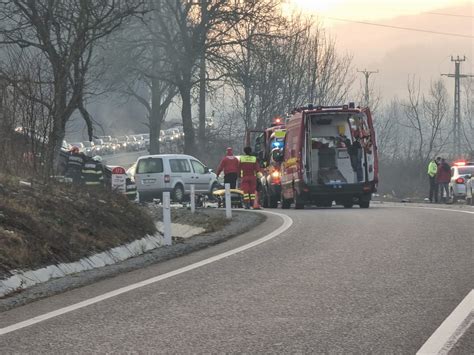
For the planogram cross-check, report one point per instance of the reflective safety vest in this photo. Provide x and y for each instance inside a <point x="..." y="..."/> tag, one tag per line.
<point x="131" y="189"/>
<point x="92" y="173"/>
<point x="248" y="165"/>
<point x="75" y="161"/>
<point x="432" y="168"/>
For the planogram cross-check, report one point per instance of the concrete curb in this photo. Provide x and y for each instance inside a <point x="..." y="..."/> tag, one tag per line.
<point x="183" y="246"/>
<point x="21" y="280"/>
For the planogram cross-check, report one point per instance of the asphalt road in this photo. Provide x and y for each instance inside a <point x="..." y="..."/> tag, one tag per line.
<point x="356" y="281"/>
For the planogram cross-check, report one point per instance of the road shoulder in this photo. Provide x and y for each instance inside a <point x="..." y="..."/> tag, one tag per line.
<point x="240" y="224"/>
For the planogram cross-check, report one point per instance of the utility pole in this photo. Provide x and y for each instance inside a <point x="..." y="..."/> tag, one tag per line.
<point x="367" y="74"/>
<point x="457" y="102"/>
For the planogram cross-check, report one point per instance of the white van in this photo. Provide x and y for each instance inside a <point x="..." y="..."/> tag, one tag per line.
<point x="175" y="173"/>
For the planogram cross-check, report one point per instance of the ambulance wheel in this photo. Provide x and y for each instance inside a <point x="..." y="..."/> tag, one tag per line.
<point x="285" y="204"/>
<point x="273" y="201"/>
<point x="299" y="205"/>
<point x="264" y="199"/>
<point x="178" y="193"/>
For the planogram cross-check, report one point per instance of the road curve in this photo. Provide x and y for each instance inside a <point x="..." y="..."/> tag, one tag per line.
<point x="337" y="281"/>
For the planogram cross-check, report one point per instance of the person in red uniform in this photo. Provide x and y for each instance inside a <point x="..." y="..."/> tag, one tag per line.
<point x="248" y="171"/>
<point x="230" y="166"/>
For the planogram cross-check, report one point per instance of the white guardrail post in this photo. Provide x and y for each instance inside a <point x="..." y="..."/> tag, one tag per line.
<point x="167" y="218"/>
<point x="228" y="203"/>
<point x="193" y="199"/>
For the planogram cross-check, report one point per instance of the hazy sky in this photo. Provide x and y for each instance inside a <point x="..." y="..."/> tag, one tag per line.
<point x="399" y="54"/>
<point x="372" y="9"/>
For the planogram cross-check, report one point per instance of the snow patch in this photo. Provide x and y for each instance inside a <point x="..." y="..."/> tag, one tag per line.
<point x="181" y="230"/>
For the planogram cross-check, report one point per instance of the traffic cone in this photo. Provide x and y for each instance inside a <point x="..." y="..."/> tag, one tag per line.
<point x="256" y="203"/>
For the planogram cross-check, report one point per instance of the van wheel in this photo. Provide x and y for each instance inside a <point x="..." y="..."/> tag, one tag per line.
<point x="143" y="199"/>
<point x="348" y="205"/>
<point x="178" y="194"/>
<point x="214" y="187"/>
<point x="364" y="204"/>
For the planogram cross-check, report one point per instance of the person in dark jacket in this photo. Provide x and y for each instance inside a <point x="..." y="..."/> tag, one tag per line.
<point x="74" y="165"/>
<point x="443" y="177"/>
<point x="93" y="172"/>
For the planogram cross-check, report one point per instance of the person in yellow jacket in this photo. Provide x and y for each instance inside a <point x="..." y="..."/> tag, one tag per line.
<point x="432" y="168"/>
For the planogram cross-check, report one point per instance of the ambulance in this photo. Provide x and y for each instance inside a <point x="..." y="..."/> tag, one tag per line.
<point x="329" y="157"/>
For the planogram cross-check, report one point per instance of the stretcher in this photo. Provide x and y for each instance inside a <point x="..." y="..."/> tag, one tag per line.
<point x="236" y="198"/>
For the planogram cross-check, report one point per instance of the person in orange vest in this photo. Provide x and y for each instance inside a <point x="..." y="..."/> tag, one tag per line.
<point x="248" y="176"/>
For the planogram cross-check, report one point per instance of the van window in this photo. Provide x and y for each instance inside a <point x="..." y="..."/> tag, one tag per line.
<point x="179" y="166"/>
<point x="198" y="167"/>
<point x="150" y="166"/>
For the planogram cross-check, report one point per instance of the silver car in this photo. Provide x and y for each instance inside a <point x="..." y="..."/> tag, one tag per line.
<point x="461" y="172"/>
<point x="175" y="173"/>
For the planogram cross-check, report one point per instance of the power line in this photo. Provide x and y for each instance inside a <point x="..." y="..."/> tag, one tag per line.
<point x="444" y="14"/>
<point x="400" y="27"/>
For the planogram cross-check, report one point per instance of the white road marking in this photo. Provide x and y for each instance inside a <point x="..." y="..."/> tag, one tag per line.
<point x="458" y="322"/>
<point x="287" y="222"/>
<point x="435" y="209"/>
<point x="451" y="330"/>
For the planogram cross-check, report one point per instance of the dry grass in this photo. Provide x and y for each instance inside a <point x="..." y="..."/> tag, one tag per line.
<point x="46" y="224"/>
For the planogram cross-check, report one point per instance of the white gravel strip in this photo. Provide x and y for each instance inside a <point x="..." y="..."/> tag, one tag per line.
<point x="20" y="279"/>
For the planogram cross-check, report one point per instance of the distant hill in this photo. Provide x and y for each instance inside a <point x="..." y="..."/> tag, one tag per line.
<point x="399" y="53"/>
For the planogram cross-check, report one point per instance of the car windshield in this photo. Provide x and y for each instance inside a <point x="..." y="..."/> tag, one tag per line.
<point x="466" y="170"/>
<point x="150" y="166"/>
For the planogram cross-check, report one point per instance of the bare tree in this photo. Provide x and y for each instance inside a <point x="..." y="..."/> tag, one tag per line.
<point x="137" y="66"/>
<point x="435" y="106"/>
<point x="65" y="33"/>
<point x="468" y="114"/>
<point x="287" y="64"/>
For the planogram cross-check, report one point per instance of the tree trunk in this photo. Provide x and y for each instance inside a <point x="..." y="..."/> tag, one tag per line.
<point x="156" y="117"/>
<point x="186" y="115"/>
<point x="202" y="80"/>
<point x="202" y="103"/>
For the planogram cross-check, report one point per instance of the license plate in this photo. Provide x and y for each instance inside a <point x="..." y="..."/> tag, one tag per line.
<point x="148" y="181"/>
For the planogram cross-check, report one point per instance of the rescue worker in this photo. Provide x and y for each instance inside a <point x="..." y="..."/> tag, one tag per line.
<point x="130" y="189"/>
<point x="230" y="166"/>
<point x="432" y="169"/>
<point x="93" y="172"/>
<point x="355" y="154"/>
<point x="248" y="173"/>
<point x="75" y="162"/>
